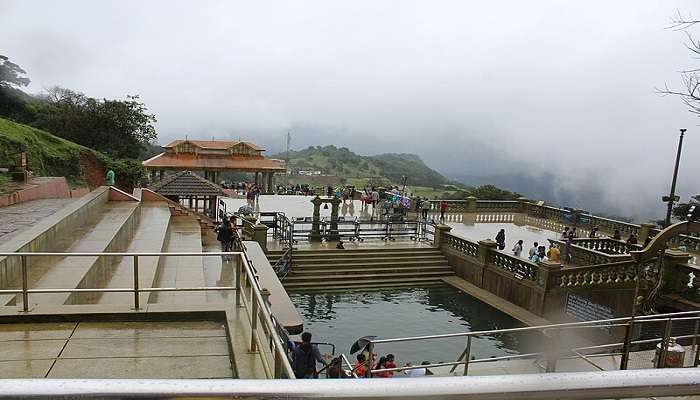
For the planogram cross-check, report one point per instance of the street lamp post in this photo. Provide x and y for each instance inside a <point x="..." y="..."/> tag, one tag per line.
<point x="672" y="198"/>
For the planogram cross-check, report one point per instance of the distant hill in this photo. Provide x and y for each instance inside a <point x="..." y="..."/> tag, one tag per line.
<point x="389" y="168"/>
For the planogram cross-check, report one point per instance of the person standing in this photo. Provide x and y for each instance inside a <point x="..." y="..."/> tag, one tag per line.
<point x="110" y="178"/>
<point x="425" y="208"/>
<point x="443" y="210"/>
<point x="518" y="248"/>
<point x="224" y="235"/>
<point x="533" y="250"/>
<point x="565" y="233"/>
<point x="553" y="254"/>
<point x="501" y="239"/>
<point x="304" y="357"/>
<point x="593" y="234"/>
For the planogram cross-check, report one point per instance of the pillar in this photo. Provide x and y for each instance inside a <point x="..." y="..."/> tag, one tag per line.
<point x="257" y="179"/>
<point x="260" y="235"/>
<point x="645" y="231"/>
<point x="439" y="236"/>
<point x="270" y="189"/>
<point x="523" y="204"/>
<point x="153" y="175"/>
<point x="484" y="247"/>
<point x="315" y="235"/>
<point x="471" y="204"/>
<point x="161" y="174"/>
<point x="333" y="235"/>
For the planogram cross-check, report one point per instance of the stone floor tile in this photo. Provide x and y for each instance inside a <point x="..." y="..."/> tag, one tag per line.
<point x="145" y="347"/>
<point x="107" y="330"/>
<point x="36" y="331"/>
<point x="25" y="368"/>
<point x="30" y="349"/>
<point x="144" y="368"/>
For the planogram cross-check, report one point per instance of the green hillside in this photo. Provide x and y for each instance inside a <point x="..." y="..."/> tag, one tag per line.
<point x="385" y="168"/>
<point x="49" y="155"/>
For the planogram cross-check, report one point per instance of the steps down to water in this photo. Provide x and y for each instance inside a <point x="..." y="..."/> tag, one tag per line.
<point x="355" y="268"/>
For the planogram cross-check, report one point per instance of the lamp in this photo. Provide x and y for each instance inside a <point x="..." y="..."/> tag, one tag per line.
<point x="325" y="206"/>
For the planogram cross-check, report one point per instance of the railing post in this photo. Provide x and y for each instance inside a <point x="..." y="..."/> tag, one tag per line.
<point x="661" y="357"/>
<point x="25" y="294"/>
<point x="624" y="360"/>
<point x="439" y="234"/>
<point x="278" y="362"/>
<point x="695" y="343"/>
<point x="467" y="355"/>
<point x="137" y="304"/>
<point x="237" y="268"/>
<point x="253" y="320"/>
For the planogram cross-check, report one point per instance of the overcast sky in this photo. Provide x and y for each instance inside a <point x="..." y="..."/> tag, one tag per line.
<point x="475" y="88"/>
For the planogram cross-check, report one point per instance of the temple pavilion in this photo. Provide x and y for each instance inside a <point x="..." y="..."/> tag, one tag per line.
<point x="214" y="156"/>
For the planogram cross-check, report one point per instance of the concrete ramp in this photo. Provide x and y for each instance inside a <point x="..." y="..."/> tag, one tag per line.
<point x="185" y="236"/>
<point x="111" y="232"/>
<point x="151" y="234"/>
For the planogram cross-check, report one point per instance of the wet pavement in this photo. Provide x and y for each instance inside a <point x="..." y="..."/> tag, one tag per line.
<point x="16" y="218"/>
<point x="165" y="350"/>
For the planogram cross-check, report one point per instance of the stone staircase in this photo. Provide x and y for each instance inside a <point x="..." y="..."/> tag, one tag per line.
<point x="364" y="268"/>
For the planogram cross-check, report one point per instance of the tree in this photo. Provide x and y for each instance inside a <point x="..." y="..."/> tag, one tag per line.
<point x="119" y="128"/>
<point x="681" y="210"/>
<point x="11" y="73"/>
<point x="690" y="78"/>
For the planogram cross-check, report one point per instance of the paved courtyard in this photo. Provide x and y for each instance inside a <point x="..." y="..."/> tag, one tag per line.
<point x="18" y="217"/>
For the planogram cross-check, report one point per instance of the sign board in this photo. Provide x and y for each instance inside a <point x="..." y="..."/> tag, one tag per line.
<point x="582" y="309"/>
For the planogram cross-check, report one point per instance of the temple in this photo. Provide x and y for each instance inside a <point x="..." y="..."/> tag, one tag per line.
<point x="214" y="156"/>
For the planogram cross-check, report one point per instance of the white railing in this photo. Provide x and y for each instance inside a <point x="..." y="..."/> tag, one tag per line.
<point x="576" y="385"/>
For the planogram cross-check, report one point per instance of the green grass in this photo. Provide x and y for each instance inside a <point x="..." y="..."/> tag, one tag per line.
<point x="47" y="155"/>
<point x="4" y="180"/>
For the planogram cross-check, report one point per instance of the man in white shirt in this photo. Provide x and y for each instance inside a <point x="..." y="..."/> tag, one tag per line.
<point x="533" y="250"/>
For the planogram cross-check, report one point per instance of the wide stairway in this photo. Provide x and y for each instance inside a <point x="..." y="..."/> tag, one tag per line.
<point x="364" y="268"/>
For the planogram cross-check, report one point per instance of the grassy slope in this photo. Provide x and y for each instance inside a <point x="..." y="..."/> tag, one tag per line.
<point x="47" y="155"/>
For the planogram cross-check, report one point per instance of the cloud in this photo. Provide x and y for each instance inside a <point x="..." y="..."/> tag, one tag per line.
<point x="560" y="92"/>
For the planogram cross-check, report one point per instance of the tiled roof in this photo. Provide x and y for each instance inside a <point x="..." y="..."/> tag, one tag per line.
<point x="213" y="144"/>
<point x="188" y="161"/>
<point x="186" y="183"/>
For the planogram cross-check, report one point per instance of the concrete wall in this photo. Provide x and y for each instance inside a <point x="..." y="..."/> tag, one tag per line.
<point x="49" y="234"/>
<point x="523" y="293"/>
<point x="41" y="188"/>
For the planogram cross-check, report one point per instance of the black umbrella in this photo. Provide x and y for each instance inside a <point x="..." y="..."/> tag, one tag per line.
<point x="361" y="343"/>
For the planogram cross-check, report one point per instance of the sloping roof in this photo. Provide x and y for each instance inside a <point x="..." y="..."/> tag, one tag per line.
<point x="188" y="161"/>
<point x="213" y="144"/>
<point x="186" y="183"/>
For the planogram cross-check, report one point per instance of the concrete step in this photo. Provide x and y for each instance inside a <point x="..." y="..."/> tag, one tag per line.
<point x="185" y="236"/>
<point x="358" y="254"/>
<point x="367" y="250"/>
<point x="366" y="276"/>
<point x="112" y="232"/>
<point x="355" y="259"/>
<point x="360" y="286"/>
<point x="318" y="273"/>
<point x="368" y="264"/>
<point x="352" y="283"/>
<point x="151" y="235"/>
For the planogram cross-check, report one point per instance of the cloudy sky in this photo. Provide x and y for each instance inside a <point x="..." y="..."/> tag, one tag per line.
<point x="551" y="98"/>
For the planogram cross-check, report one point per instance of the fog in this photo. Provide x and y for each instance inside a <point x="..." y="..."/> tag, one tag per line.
<point x="554" y="99"/>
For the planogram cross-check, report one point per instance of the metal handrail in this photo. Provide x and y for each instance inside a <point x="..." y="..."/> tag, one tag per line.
<point x="256" y="306"/>
<point x="627" y="322"/>
<point x="571" y="385"/>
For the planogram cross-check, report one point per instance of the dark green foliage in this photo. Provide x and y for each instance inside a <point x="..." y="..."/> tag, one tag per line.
<point x="119" y="128"/>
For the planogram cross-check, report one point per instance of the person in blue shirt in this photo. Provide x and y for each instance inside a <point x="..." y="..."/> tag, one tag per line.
<point x="304" y="357"/>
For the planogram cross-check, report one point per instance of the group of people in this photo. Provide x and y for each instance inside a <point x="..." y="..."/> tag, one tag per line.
<point x="306" y="357"/>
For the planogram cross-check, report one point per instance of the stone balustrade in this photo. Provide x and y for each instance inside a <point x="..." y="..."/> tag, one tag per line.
<point x="518" y="267"/>
<point x="503" y="206"/>
<point x="617" y="273"/>
<point x="461" y="245"/>
<point x="686" y="282"/>
<point x="607" y="245"/>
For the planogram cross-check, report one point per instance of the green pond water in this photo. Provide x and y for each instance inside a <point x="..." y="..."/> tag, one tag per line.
<point x="342" y="317"/>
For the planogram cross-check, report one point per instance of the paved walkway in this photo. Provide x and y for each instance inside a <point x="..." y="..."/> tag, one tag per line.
<point x="18" y="217"/>
<point x="145" y="350"/>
